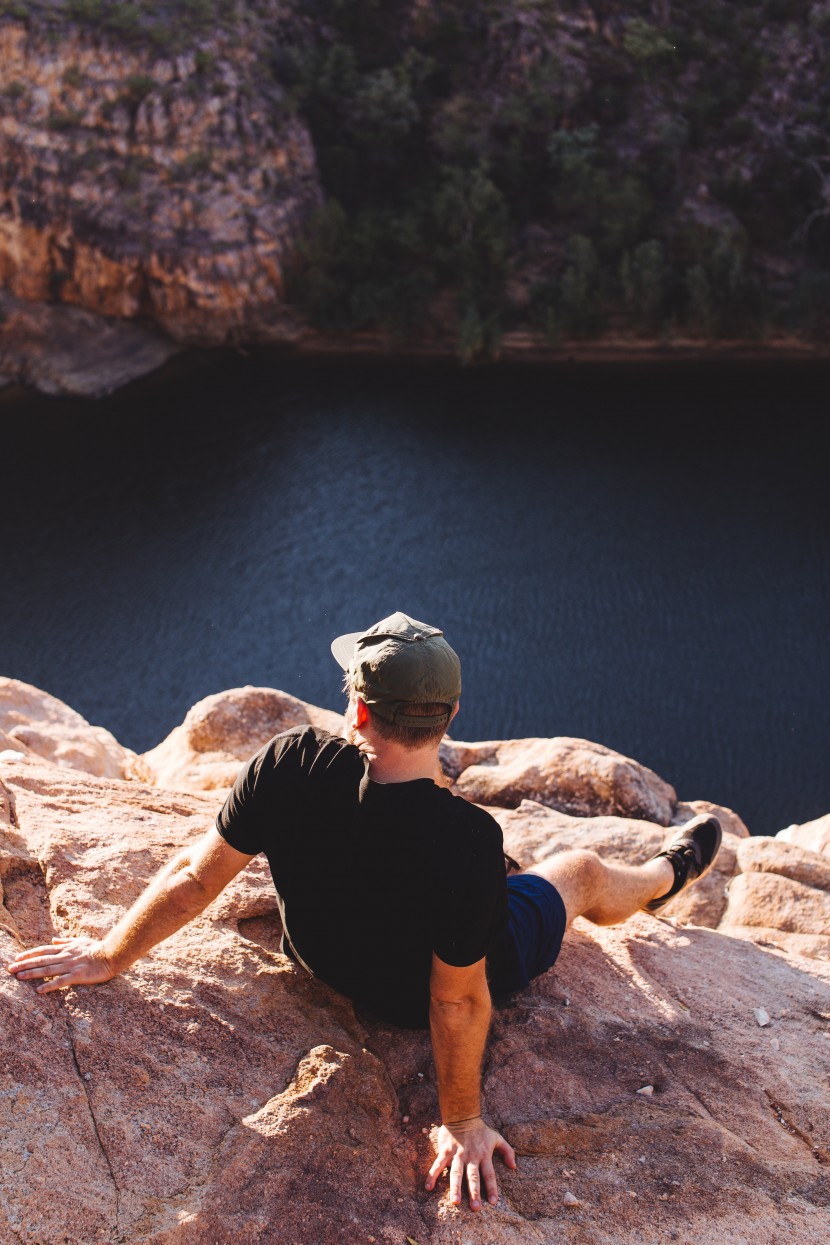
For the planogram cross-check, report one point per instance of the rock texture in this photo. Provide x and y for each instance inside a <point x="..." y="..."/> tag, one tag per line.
<point x="165" y="189"/>
<point x="781" y="894"/>
<point x="814" y="835"/>
<point x="572" y="775"/>
<point x="215" y="1094"/>
<point x="222" y="731"/>
<point x="69" y="351"/>
<point x="34" y="723"/>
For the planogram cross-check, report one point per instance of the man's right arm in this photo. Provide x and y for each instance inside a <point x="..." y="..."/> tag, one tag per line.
<point x="179" y="892"/>
<point x="459" y="1019"/>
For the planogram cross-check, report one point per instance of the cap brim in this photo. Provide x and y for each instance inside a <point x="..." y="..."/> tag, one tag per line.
<point x="343" y="648"/>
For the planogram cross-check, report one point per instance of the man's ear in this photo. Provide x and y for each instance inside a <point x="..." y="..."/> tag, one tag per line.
<point x="455" y="710"/>
<point x="361" y="713"/>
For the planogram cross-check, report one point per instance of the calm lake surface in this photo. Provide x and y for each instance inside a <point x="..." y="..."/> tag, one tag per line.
<point x="635" y="555"/>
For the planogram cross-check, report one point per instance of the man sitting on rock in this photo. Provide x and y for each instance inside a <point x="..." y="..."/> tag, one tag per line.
<point x="391" y="889"/>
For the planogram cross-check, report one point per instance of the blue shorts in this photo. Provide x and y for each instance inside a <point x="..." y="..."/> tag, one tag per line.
<point x="535" y="928"/>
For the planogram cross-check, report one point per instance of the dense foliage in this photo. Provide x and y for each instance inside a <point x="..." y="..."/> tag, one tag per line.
<point x="649" y="167"/>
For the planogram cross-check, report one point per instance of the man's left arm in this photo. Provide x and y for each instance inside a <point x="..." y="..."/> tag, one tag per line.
<point x="459" y="1020"/>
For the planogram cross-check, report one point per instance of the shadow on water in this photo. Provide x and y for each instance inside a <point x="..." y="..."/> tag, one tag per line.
<point x="637" y="555"/>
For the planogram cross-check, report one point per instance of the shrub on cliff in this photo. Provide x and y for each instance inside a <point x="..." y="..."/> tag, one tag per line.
<point x="463" y="126"/>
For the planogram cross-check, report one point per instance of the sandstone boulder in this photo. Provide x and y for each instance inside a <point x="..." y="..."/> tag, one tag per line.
<point x="215" y="1094"/>
<point x="35" y="723"/>
<point x="775" y="902"/>
<point x="770" y="855"/>
<point x="70" y="351"/>
<point x="729" y="820"/>
<point x="813" y="835"/>
<point x="533" y="831"/>
<point x="572" y="775"/>
<point x="222" y="731"/>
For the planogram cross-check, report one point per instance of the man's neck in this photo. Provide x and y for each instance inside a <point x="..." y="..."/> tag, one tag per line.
<point x="389" y="763"/>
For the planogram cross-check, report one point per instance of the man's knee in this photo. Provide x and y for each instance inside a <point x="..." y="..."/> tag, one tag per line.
<point x="577" y="864"/>
<point x="578" y="875"/>
<point x="584" y="865"/>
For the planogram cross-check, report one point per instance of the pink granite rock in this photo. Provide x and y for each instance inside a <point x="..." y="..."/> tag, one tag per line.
<point x="776" y="902"/>
<point x="533" y="831"/>
<point x="771" y="855"/>
<point x="729" y="820"/>
<point x="37" y="724"/>
<point x="814" y="835"/>
<point x="572" y="775"/>
<point x="223" y="730"/>
<point x="213" y="1094"/>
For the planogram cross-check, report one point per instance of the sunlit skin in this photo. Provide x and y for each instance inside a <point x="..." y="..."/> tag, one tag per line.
<point x="459" y="997"/>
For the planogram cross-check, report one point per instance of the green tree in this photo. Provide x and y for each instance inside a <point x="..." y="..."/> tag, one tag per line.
<point x="579" y="293"/>
<point x="643" y="281"/>
<point x="648" y="47"/>
<point x="471" y="221"/>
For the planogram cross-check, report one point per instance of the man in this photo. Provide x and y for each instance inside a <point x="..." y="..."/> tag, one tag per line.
<point x="392" y="889"/>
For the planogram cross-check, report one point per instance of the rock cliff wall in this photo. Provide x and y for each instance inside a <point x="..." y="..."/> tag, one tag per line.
<point x="546" y="181"/>
<point x="665" y="1082"/>
<point x="164" y="189"/>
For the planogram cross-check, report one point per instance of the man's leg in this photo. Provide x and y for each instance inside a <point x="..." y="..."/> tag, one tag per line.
<point x="601" y="891"/>
<point x="606" y="892"/>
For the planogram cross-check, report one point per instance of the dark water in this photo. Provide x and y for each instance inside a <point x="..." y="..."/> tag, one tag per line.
<point x="637" y="556"/>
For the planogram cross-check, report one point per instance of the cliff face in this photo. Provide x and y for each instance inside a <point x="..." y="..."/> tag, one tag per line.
<point x="139" y="186"/>
<point x="665" y="1082"/>
<point x="528" y="178"/>
<point x="599" y="179"/>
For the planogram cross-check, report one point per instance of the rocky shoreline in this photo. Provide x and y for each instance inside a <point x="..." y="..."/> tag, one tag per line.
<point x="64" y="351"/>
<point x="664" y="1082"/>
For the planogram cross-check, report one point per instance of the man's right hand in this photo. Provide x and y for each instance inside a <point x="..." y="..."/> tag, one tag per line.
<point x="65" y="961"/>
<point x="467" y="1148"/>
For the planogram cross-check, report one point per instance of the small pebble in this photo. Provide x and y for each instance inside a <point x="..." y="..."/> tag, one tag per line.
<point x="775" y="1044"/>
<point x="569" y="1199"/>
<point x="420" y="1076"/>
<point x="631" y="1193"/>
<point x="87" y="1076"/>
<point x="425" y="1130"/>
<point x="371" y="1240"/>
<point x="762" y="1017"/>
<point x="566" y="1173"/>
<point x="406" y="1119"/>
<point x="648" y="1090"/>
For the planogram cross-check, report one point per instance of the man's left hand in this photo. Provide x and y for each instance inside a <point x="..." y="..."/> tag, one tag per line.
<point x="467" y="1148"/>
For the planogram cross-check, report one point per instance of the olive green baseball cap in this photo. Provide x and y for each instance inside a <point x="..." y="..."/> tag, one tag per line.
<point x="401" y="661"/>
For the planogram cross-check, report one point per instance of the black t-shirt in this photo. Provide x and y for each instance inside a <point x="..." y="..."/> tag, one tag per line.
<point x="371" y="878"/>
